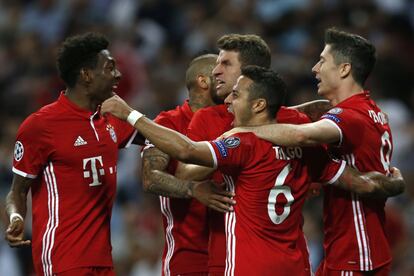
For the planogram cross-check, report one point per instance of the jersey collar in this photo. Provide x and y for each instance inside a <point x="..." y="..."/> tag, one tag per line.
<point x="63" y="100"/>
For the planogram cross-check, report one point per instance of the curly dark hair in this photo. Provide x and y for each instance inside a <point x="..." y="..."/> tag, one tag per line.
<point x="252" y="49"/>
<point x="268" y="85"/>
<point x="353" y="49"/>
<point x="77" y="52"/>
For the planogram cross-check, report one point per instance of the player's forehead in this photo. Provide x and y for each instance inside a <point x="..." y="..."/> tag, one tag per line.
<point x="242" y="83"/>
<point x="228" y="55"/>
<point x="105" y="57"/>
<point x="326" y="52"/>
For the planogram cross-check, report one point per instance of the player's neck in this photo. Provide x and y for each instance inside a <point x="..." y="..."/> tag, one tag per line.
<point x="344" y="92"/>
<point x="79" y="98"/>
<point x="259" y="120"/>
<point x="198" y="101"/>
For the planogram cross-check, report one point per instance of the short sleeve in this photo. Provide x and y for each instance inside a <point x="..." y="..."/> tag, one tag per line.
<point x="350" y="124"/>
<point x="231" y="153"/>
<point x="321" y="167"/>
<point x="32" y="148"/>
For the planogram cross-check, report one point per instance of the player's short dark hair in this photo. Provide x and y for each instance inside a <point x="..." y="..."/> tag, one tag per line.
<point x="268" y="85"/>
<point x="77" y="52"/>
<point x="201" y="65"/>
<point x="252" y="49"/>
<point x="353" y="49"/>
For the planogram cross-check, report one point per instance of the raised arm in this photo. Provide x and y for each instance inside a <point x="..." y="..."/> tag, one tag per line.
<point x="16" y="210"/>
<point x="313" y="109"/>
<point x="373" y="184"/>
<point x="320" y="132"/>
<point x="169" y="141"/>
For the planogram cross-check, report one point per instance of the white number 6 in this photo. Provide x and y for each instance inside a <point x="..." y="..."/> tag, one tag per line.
<point x="279" y="188"/>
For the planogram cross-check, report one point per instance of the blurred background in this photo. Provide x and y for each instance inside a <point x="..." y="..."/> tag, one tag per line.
<point x="153" y="42"/>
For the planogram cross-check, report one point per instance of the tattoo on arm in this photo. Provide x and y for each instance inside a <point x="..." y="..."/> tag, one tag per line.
<point x="157" y="180"/>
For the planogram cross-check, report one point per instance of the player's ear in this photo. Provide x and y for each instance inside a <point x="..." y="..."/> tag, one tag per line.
<point x="85" y="75"/>
<point x="345" y="70"/>
<point x="203" y="82"/>
<point x="259" y="105"/>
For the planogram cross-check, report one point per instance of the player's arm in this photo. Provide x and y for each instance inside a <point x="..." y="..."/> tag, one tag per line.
<point x="173" y="143"/>
<point x="193" y="172"/>
<point x="313" y="109"/>
<point x="16" y="210"/>
<point x="159" y="182"/>
<point x="316" y="133"/>
<point x="373" y="184"/>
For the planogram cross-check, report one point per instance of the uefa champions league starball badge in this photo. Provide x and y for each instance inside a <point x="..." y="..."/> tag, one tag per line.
<point x="18" y="151"/>
<point x="111" y="130"/>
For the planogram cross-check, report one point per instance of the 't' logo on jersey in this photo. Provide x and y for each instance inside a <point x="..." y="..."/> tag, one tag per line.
<point x="18" y="151"/>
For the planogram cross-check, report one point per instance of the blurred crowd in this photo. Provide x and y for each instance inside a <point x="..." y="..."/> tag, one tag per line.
<point x="153" y="42"/>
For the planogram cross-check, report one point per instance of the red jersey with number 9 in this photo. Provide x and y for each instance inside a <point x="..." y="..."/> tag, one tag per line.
<point x="72" y="155"/>
<point x="355" y="237"/>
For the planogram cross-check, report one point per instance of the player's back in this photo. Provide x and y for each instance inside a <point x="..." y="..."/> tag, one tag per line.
<point x="270" y="185"/>
<point x="185" y="220"/>
<point x="354" y="226"/>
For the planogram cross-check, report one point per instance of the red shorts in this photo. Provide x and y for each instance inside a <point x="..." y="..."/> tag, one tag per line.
<point x="88" y="271"/>
<point x="380" y="271"/>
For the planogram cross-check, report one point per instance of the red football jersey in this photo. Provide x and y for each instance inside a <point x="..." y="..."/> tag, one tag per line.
<point x="72" y="155"/>
<point x="206" y="125"/>
<point x="270" y="185"/>
<point x="354" y="227"/>
<point x="185" y="220"/>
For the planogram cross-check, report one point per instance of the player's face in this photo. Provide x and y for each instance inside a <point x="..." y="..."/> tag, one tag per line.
<point x="105" y="77"/>
<point x="226" y="72"/>
<point x="327" y="73"/>
<point x="238" y="102"/>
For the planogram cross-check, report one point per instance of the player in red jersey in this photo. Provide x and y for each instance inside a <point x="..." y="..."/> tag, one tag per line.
<point x="66" y="153"/>
<point x="185" y="219"/>
<point x="358" y="132"/>
<point x="210" y="122"/>
<point x="262" y="231"/>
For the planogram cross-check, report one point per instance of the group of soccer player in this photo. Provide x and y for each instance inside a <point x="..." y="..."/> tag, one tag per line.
<point x="231" y="202"/>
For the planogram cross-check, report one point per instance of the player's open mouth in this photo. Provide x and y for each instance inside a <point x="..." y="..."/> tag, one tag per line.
<point x="220" y="83"/>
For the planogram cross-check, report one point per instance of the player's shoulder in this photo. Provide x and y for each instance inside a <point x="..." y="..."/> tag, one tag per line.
<point x="43" y="118"/>
<point x="291" y="116"/>
<point x="168" y="116"/>
<point x="247" y="139"/>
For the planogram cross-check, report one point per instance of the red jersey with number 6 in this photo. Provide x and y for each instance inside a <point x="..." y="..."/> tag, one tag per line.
<point x="208" y="124"/>
<point x="72" y="155"/>
<point x="355" y="237"/>
<point x="270" y="185"/>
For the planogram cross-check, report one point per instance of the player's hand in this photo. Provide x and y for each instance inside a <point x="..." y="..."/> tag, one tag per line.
<point x="14" y="234"/>
<point x="117" y="107"/>
<point x="213" y="196"/>
<point x="396" y="173"/>
<point x="234" y="131"/>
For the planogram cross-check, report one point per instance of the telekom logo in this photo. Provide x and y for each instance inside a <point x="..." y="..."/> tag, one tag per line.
<point x="95" y="167"/>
